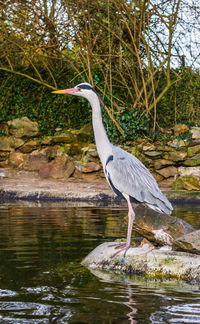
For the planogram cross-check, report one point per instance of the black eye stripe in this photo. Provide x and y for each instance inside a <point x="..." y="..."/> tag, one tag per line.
<point x="85" y="86"/>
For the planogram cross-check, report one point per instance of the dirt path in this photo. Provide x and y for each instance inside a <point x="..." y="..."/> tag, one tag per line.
<point x="29" y="185"/>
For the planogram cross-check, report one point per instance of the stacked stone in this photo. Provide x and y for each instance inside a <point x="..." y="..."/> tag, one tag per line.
<point x="69" y="154"/>
<point x="176" y="164"/>
<point x="66" y="154"/>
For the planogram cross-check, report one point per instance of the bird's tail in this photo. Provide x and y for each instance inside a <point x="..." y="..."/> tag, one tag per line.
<point x="162" y="206"/>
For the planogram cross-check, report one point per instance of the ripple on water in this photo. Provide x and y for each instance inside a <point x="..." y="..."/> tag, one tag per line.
<point x="185" y="313"/>
<point x="42" y="280"/>
<point x="7" y="293"/>
<point x="9" y="320"/>
<point x="29" y="312"/>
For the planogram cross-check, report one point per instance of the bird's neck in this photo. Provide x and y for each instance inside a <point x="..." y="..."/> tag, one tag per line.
<point x="103" y="144"/>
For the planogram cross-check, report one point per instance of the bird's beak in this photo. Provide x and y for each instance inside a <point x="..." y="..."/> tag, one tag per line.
<point x="67" y="91"/>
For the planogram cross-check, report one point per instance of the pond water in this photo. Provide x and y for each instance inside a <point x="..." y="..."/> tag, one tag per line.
<point x="42" y="280"/>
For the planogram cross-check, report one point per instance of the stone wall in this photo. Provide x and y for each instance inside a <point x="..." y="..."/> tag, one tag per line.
<point x="69" y="155"/>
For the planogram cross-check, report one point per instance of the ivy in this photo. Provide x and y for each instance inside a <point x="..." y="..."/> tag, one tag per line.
<point x="22" y="97"/>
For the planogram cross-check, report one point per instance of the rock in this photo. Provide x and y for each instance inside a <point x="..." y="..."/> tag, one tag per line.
<point x="34" y="161"/>
<point x="166" y="183"/>
<point x="164" y="148"/>
<point x="4" y="156"/>
<point x="161" y="163"/>
<point x="175" y="156"/>
<point x="88" y="167"/>
<point x="170" y="171"/>
<point x="153" y="154"/>
<point x="9" y="143"/>
<point x="195" y="160"/>
<point x="29" y="146"/>
<point x="73" y="149"/>
<point x="148" y="261"/>
<point x="193" y="150"/>
<point x="179" y="143"/>
<point x="61" y="138"/>
<point x="17" y="160"/>
<point x="157" y="176"/>
<point x="148" y="147"/>
<point x="194" y="142"/>
<point x="159" y="228"/>
<point x="60" y="168"/>
<point x="147" y="243"/>
<point x="189" y="243"/>
<point x="89" y="154"/>
<point x="135" y="151"/>
<point x="50" y="152"/>
<point x="186" y="183"/>
<point x="192" y="171"/>
<point x="23" y="127"/>
<point x="92" y="152"/>
<point x="4" y="164"/>
<point x="180" y="129"/>
<point x="4" y="173"/>
<point x="84" y="134"/>
<point x="73" y="136"/>
<point x="195" y="132"/>
<point x="47" y="140"/>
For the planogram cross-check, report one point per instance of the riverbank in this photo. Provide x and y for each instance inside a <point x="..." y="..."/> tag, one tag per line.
<point x="69" y="155"/>
<point x="30" y="186"/>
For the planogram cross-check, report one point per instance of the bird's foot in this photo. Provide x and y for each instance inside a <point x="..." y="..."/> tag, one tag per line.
<point x="121" y="247"/>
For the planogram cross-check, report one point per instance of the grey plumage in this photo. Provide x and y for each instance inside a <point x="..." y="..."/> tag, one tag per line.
<point x="127" y="176"/>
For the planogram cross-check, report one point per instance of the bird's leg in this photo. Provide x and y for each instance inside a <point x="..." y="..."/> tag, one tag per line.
<point x="131" y="220"/>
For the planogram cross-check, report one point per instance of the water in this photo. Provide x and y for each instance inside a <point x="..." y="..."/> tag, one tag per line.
<point x="42" y="280"/>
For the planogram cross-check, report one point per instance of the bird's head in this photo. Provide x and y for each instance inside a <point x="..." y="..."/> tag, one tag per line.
<point x="84" y="90"/>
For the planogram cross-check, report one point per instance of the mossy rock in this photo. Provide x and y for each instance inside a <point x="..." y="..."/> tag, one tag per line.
<point x="193" y="150"/>
<point x="84" y="134"/>
<point x="23" y="127"/>
<point x="134" y="150"/>
<point x="175" y="156"/>
<point x="153" y="154"/>
<point x="186" y="183"/>
<point x="72" y="149"/>
<point x="144" y="260"/>
<point x="64" y="138"/>
<point x="193" y="161"/>
<point x="9" y="143"/>
<point x="189" y="243"/>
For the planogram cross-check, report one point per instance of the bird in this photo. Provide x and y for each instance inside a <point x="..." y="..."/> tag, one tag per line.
<point x="126" y="174"/>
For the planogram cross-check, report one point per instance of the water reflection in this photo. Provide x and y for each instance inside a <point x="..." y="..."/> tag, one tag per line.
<point x="158" y="300"/>
<point x="42" y="281"/>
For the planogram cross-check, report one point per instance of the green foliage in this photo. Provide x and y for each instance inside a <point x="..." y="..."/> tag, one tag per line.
<point x="111" y="44"/>
<point x="185" y="136"/>
<point x="133" y="123"/>
<point x="22" y="97"/>
<point x="181" y="104"/>
<point x="2" y="132"/>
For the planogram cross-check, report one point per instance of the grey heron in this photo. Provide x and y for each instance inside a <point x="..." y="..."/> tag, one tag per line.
<point x="126" y="175"/>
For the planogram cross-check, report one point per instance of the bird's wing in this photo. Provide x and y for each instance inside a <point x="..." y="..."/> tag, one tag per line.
<point x="128" y="175"/>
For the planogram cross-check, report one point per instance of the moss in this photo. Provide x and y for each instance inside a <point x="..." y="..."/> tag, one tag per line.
<point x="187" y="183"/>
<point x="193" y="161"/>
<point x="158" y="274"/>
<point x="193" y="150"/>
